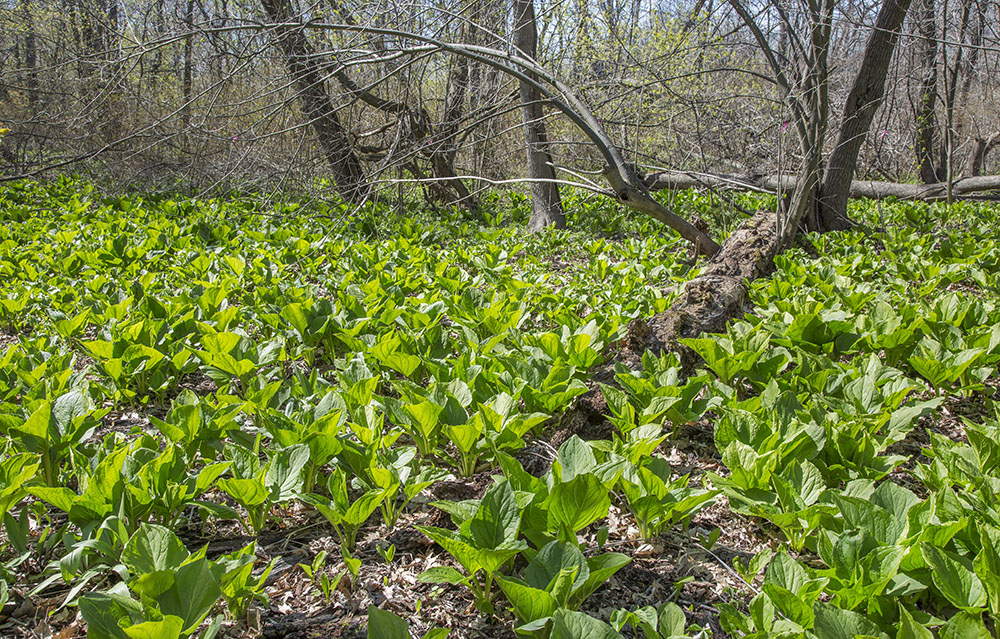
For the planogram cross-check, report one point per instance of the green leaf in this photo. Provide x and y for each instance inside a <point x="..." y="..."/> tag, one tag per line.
<point x="283" y="478"/>
<point x="14" y="472"/>
<point x="362" y="508"/>
<point x="909" y="628"/>
<point x="103" y="612"/>
<point x="878" y="521"/>
<point x="577" y="625"/>
<point x="247" y="492"/>
<point x="441" y="575"/>
<point x="60" y="497"/>
<point x="787" y="573"/>
<point x="575" y="457"/>
<point x="836" y="623"/>
<point x="497" y="519"/>
<point x="965" y="625"/>
<point x="383" y="624"/>
<point x="220" y="342"/>
<point x="169" y="627"/>
<point x="987" y="567"/>
<point x="954" y="577"/>
<point x="790" y="604"/>
<point x="473" y="559"/>
<point x="527" y="602"/>
<point x="602" y="568"/>
<point x="153" y="548"/>
<point x="671" y="620"/>
<point x="554" y="557"/>
<point x="579" y="502"/>
<point x="196" y="590"/>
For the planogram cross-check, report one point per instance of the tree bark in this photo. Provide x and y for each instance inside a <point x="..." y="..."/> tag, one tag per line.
<point x="30" y="52"/>
<point x="876" y="190"/>
<point x="187" y="79"/>
<point x="863" y="101"/>
<point x="977" y="156"/>
<point x="714" y="297"/>
<point x="546" y="205"/>
<point x="927" y="96"/>
<point x="315" y="101"/>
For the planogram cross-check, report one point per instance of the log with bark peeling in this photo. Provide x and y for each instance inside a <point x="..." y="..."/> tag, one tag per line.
<point x="718" y="293"/>
<point x="877" y="190"/>
<point x="706" y="305"/>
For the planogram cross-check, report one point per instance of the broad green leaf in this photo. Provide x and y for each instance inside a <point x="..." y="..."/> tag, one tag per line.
<point x="878" y="521"/>
<point x="247" y="492"/>
<point x="965" y="625"/>
<point x="672" y="620"/>
<point x="497" y="519"/>
<point x="283" y="478"/>
<point x="105" y="611"/>
<point x="954" y="577"/>
<point x="528" y="603"/>
<point x="441" y="575"/>
<point x="987" y="567"/>
<point x="602" y="568"/>
<point x="789" y="604"/>
<point x="195" y="591"/>
<point x="473" y="559"/>
<point x="383" y="624"/>
<point x="575" y="458"/>
<point x="836" y="623"/>
<point x="909" y="628"/>
<point x="578" y="625"/>
<point x="578" y="503"/>
<point x="153" y="548"/>
<point x="169" y="627"/>
<point x="553" y="558"/>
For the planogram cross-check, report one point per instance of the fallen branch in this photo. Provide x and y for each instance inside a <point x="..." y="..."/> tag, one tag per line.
<point x="859" y="188"/>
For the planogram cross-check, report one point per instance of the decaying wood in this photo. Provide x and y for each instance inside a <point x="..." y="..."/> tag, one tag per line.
<point x="859" y="188"/>
<point x="706" y="305"/>
<point x="714" y="297"/>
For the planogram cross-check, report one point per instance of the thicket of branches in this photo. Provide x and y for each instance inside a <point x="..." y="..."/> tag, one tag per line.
<point x="208" y="92"/>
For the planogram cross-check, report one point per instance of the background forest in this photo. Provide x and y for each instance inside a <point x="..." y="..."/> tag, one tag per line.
<point x="198" y="93"/>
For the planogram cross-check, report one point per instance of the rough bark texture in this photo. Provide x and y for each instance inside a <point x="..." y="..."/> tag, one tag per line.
<point x="981" y="147"/>
<point x="707" y="304"/>
<point x="546" y="205"/>
<point x="863" y="101"/>
<point x="713" y="298"/>
<point x="859" y="188"/>
<point x="187" y="77"/>
<point x="927" y="98"/>
<point x="301" y="61"/>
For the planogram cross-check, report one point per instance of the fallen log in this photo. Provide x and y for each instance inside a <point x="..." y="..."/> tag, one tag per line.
<point x="718" y="294"/>
<point x="877" y="190"/>
<point x="707" y="304"/>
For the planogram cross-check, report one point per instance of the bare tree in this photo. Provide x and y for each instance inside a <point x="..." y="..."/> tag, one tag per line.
<point x="863" y="101"/>
<point x="300" y="58"/>
<point x="546" y="206"/>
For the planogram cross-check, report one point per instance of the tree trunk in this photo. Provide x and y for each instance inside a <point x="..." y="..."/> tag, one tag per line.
<point x="977" y="156"/>
<point x="187" y="79"/>
<point x="546" y="205"/>
<point x="927" y="97"/>
<point x="863" y="101"/>
<point x="30" y="52"/>
<point x="443" y="157"/>
<point x="312" y="93"/>
<point x="444" y="185"/>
